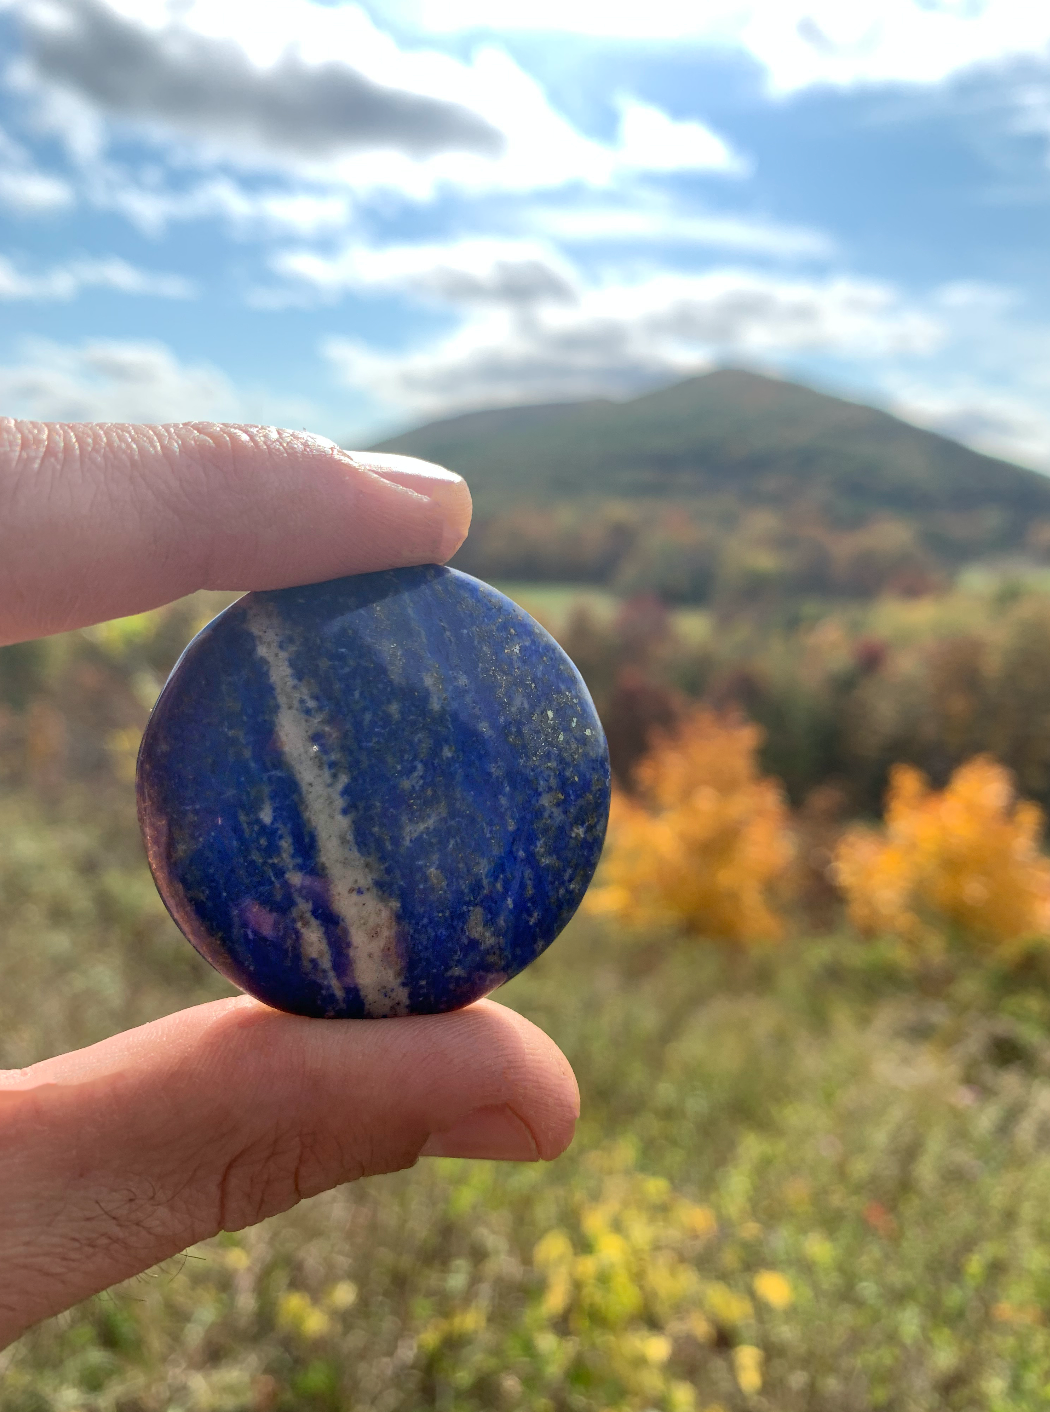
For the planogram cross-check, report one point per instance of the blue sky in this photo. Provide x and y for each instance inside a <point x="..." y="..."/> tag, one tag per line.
<point x="355" y="217"/>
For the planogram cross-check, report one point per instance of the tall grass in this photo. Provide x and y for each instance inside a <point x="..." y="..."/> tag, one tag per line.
<point x="886" y="1154"/>
<point x="806" y="1179"/>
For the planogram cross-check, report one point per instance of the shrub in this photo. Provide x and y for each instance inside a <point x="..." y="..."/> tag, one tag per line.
<point x="963" y="861"/>
<point x="704" y="841"/>
<point x="1019" y="727"/>
<point x="624" y="663"/>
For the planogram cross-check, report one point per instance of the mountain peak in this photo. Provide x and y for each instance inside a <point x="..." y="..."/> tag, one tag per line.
<point x="762" y="440"/>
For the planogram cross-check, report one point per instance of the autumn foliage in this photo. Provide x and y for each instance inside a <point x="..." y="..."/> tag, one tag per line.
<point x="703" y="844"/>
<point x="964" y="861"/>
<point x="703" y="841"/>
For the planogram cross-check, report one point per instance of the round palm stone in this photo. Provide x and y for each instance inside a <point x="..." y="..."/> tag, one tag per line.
<point x="382" y="795"/>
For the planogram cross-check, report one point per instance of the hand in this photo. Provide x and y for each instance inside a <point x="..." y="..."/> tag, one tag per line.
<point x="121" y="1155"/>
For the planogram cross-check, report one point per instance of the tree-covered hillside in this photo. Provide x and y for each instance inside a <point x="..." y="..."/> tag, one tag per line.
<point x="726" y="481"/>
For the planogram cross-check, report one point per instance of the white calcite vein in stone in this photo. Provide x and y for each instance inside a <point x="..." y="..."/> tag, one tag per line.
<point x="369" y="920"/>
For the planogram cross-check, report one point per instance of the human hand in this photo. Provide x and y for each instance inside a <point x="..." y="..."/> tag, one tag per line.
<point x="121" y="1155"/>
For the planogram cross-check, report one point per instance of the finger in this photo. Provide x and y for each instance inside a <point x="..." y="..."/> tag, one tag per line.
<point x="98" y="521"/>
<point x="121" y="1155"/>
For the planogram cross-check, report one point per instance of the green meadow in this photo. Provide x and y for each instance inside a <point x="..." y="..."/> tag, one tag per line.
<point x="807" y="1177"/>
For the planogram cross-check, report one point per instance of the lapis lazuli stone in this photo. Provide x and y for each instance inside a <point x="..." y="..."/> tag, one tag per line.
<point x="382" y="795"/>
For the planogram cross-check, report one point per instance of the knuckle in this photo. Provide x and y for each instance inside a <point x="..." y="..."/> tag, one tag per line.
<point x="259" y="1180"/>
<point x="276" y="1171"/>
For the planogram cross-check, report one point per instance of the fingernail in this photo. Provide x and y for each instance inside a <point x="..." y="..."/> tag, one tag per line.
<point x="496" y="1133"/>
<point x="447" y="492"/>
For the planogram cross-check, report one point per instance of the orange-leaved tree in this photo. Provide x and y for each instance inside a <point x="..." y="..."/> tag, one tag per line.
<point x="704" y="839"/>
<point x="964" y="861"/>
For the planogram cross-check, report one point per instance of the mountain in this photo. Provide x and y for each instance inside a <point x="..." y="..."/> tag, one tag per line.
<point x="756" y="437"/>
<point x="750" y="455"/>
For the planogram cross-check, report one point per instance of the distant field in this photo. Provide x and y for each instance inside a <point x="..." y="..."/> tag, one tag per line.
<point x="993" y="577"/>
<point x="552" y="603"/>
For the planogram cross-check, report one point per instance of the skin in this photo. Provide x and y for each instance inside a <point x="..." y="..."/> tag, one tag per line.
<point x="121" y="1155"/>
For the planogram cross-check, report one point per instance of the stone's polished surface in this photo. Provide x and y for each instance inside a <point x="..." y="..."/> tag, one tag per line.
<point x="382" y="795"/>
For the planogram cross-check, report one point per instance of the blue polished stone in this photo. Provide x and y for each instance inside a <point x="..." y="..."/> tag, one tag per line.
<point x="381" y="795"/>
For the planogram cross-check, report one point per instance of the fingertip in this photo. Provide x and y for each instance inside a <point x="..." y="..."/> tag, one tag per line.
<point x="457" y="508"/>
<point x="447" y="491"/>
<point x="541" y="1086"/>
<point x="495" y="1133"/>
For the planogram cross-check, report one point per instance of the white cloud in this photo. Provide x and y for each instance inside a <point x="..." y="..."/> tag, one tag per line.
<point x="114" y="381"/>
<point x="129" y="380"/>
<point x="1013" y="424"/>
<point x="221" y="81"/>
<point x="1032" y="108"/>
<point x="650" y="141"/>
<point x="516" y="273"/>
<point x="244" y="210"/>
<point x="67" y="281"/>
<point x="617" y="19"/>
<point x="463" y="273"/>
<point x="971" y="298"/>
<point x="653" y="221"/>
<point x="896" y="41"/>
<point x="34" y="193"/>
<point x="25" y="189"/>
<point x="991" y="389"/>
<point x="798" y="42"/>
<point x="618" y="338"/>
<point x="177" y="73"/>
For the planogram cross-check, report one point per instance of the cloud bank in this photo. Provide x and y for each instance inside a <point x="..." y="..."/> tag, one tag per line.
<point x="25" y="189"/>
<point x="208" y="85"/>
<point x="67" y="281"/>
<point x="110" y="380"/>
<point x="467" y="273"/>
<point x="618" y="339"/>
<point x="321" y="95"/>
<point x="798" y="43"/>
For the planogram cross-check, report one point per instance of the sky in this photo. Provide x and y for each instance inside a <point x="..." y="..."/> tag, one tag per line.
<point x="357" y="217"/>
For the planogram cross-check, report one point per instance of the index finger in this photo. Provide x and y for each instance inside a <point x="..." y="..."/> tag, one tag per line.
<point x="99" y="521"/>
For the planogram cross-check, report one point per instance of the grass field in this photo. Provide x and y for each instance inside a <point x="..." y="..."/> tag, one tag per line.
<point x="551" y="603"/>
<point x="804" y="1179"/>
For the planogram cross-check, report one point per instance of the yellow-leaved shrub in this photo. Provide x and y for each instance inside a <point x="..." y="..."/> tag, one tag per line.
<point x="704" y="840"/>
<point x="964" y="861"/>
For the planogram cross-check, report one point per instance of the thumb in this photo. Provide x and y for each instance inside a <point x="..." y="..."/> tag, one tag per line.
<point x="121" y="1155"/>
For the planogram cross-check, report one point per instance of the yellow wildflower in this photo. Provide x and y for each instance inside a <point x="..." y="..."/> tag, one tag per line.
<point x="773" y="1288"/>
<point x="747" y="1367"/>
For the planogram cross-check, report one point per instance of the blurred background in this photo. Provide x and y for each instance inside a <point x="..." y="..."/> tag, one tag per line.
<point x="735" y="316"/>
